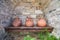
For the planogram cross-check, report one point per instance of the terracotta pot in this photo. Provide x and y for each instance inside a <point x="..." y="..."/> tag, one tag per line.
<point x="29" y="22"/>
<point x="41" y="22"/>
<point x="16" y="22"/>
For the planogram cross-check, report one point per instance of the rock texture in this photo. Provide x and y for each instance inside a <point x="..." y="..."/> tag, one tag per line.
<point x="52" y="13"/>
<point x="2" y="33"/>
<point x="5" y="12"/>
<point x="8" y="9"/>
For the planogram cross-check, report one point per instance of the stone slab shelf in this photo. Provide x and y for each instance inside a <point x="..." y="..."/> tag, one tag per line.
<point x="29" y="29"/>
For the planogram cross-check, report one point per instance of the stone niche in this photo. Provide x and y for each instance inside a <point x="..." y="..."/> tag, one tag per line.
<point x="21" y="8"/>
<point x="28" y="7"/>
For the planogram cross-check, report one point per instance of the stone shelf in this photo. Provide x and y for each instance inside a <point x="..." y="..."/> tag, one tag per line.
<point x="29" y="29"/>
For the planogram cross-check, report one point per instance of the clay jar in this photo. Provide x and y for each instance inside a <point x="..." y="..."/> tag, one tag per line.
<point x="41" y="22"/>
<point x="29" y="22"/>
<point x="16" y="22"/>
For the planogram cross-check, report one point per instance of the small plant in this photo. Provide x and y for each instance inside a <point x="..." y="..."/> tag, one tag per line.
<point x="59" y="38"/>
<point x="28" y="37"/>
<point x="47" y="36"/>
<point x="42" y="36"/>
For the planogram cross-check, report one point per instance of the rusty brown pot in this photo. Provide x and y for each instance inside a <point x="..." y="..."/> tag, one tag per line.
<point x="41" y="22"/>
<point x="16" y="22"/>
<point x="29" y="22"/>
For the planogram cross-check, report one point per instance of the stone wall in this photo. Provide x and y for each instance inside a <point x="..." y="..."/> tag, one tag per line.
<point x="10" y="8"/>
<point x="52" y="13"/>
<point x="7" y="10"/>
